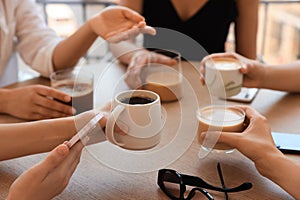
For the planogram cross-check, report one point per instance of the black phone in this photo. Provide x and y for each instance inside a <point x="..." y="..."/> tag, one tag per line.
<point x="287" y="142"/>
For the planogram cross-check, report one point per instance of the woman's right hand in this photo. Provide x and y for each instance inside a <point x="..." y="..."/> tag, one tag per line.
<point x="140" y="59"/>
<point x="255" y="142"/>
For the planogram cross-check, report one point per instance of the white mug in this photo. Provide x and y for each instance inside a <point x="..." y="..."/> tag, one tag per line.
<point x="140" y="112"/>
<point x="223" y="77"/>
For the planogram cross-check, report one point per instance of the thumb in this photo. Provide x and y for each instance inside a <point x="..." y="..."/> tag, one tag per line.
<point x="55" y="158"/>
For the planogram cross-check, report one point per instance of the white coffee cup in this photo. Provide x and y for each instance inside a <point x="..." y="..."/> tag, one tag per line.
<point x="223" y="77"/>
<point x="140" y="112"/>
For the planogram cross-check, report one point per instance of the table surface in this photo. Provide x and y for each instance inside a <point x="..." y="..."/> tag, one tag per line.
<point x="94" y="179"/>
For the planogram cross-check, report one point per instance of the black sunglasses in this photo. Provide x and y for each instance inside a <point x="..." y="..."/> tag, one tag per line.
<point x="173" y="184"/>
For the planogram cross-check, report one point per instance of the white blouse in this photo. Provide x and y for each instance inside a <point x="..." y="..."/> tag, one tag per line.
<point x="23" y="29"/>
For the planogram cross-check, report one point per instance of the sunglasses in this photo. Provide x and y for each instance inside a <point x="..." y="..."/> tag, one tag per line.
<point x="174" y="184"/>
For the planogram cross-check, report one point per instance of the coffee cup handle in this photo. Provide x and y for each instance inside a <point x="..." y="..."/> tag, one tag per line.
<point x="110" y="125"/>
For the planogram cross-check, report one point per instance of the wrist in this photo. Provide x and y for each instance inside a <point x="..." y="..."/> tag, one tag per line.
<point x="269" y="165"/>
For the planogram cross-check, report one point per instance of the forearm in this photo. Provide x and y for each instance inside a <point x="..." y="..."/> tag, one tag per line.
<point x="3" y="100"/>
<point x="282" y="171"/>
<point x="34" y="137"/>
<point x="124" y="51"/>
<point x="283" y="77"/>
<point x="40" y="136"/>
<point x="69" y="51"/>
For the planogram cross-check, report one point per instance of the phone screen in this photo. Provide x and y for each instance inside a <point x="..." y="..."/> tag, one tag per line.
<point x="287" y="142"/>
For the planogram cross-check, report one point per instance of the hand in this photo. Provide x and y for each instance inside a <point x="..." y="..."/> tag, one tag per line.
<point x="36" y="102"/>
<point x="48" y="178"/>
<point x="254" y="71"/>
<point x="117" y="23"/>
<point x="255" y="141"/>
<point x="138" y="60"/>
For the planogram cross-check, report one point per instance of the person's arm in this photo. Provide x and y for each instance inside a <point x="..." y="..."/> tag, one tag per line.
<point x="125" y="50"/>
<point x="27" y="138"/>
<point x="112" y="23"/>
<point x="257" y="144"/>
<point x="246" y="28"/>
<point x="48" y="178"/>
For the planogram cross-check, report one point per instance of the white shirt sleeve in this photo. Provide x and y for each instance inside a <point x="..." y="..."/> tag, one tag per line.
<point x="35" y="41"/>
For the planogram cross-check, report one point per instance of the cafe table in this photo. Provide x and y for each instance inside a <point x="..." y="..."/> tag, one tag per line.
<point x="95" y="179"/>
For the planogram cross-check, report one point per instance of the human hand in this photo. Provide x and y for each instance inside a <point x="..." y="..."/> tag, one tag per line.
<point x="48" y="178"/>
<point x="117" y="23"/>
<point x="36" y="102"/>
<point x="255" y="141"/>
<point x="254" y="71"/>
<point x="138" y="60"/>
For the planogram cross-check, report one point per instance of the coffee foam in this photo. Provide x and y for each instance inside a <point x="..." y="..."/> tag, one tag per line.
<point x="226" y="63"/>
<point x="221" y="117"/>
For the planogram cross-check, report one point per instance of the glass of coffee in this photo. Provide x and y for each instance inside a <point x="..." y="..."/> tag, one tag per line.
<point x="77" y="83"/>
<point x="165" y="80"/>
<point x="218" y="118"/>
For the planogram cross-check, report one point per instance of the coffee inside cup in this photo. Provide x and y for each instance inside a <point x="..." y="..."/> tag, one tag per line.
<point x="137" y="100"/>
<point x="226" y="63"/>
<point x="220" y="118"/>
<point x="166" y="84"/>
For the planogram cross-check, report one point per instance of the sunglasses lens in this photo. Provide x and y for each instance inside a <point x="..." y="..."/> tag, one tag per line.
<point x="172" y="184"/>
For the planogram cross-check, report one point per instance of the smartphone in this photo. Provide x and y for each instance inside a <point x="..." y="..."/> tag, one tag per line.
<point x="246" y="95"/>
<point x="85" y="130"/>
<point x="287" y="142"/>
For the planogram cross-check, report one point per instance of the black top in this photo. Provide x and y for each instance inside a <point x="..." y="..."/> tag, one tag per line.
<point x="208" y="27"/>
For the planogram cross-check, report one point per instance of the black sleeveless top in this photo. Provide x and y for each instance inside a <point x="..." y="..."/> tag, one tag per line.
<point x="209" y="27"/>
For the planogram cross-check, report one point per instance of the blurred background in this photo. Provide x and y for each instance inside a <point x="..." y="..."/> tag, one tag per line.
<point x="278" y="31"/>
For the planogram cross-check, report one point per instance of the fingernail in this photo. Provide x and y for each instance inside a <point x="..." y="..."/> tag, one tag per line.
<point x="73" y="111"/>
<point x="62" y="150"/>
<point x="67" y="98"/>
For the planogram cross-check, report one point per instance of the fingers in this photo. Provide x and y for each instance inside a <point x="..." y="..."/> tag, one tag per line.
<point x="72" y="160"/>
<point x="51" y="92"/>
<point x="54" y="159"/>
<point x="148" y="30"/>
<point x="132" y="15"/>
<point x="228" y="138"/>
<point x="53" y="108"/>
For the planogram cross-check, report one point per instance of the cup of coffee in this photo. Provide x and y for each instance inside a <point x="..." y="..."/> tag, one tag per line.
<point x="219" y="118"/>
<point x="78" y="84"/>
<point x="223" y="77"/>
<point x="165" y="80"/>
<point x="140" y="112"/>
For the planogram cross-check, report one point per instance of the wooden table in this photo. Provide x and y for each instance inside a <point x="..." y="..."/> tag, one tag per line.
<point x="95" y="180"/>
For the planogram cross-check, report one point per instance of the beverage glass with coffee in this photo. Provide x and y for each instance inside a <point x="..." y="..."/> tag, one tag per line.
<point x="165" y="80"/>
<point x="140" y="112"/>
<point x="218" y="118"/>
<point x="77" y="83"/>
<point x="223" y="77"/>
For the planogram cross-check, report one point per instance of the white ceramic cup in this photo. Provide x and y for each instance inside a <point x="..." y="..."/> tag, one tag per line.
<point x="223" y="77"/>
<point x="140" y="112"/>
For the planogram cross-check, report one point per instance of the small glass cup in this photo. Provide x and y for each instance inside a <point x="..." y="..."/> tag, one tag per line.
<point x="78" y="84"/>
<point x="218" y="118"/>
<point x="165" y="80"/>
